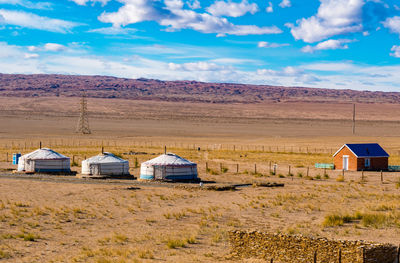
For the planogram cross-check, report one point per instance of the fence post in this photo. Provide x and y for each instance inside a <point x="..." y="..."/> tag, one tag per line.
<point x="308" y="170"/>
<point x="363" y="254"/>
<point x="272" y="260"/>
<point x="398" y="254"/>
<point x="206" y="167"/>
<point x="73" y="158"/>
<point x="343" y="173"/>
<point x="237" y="168"/>
<point x="7" y="157"/>
<point x="381" y="176"/>
<point x="220" y="166"/>
<point x="269" y="167"/>
<point x="362" y="176"/>
<point x="315" y="256"/>
<point x="255" y="168"/>
<point x="340" y="255"/>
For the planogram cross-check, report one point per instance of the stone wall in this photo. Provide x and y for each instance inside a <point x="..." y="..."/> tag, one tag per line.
<point x="296" y="248"/>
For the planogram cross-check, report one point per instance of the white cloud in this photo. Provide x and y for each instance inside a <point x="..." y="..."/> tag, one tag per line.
<point x="332" y="66"/>
<point x="29" y="20"/>
<point x="196" y="66"/>
<point x="328" y="44"/>
<point x="270" y="8"/>
<point x="175" y="17"/>
<point x="2" y="19"/>
<point x="287" y="71"/>
<point x="32" y="48"/>
<point x="285" y="3"/>
<point x="54" y="47"/>
<point x="393" y="23"/>
<point x="334" y="17"/>
<point x="232" y="9"/>
<point x="8" y="50"/>
<point x="28" y="4"/>
<point x="193" y="4"/>
<point x="265" y="44"/>
<point x="133" y="11"/>
<point x="396" y="51"/>
<point x="114" y="31"/>
<point x="31" y="55"/>
<point x="83" y="2"/>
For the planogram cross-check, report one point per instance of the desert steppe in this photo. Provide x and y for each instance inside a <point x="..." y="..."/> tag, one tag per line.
<point x="65" y="219"/>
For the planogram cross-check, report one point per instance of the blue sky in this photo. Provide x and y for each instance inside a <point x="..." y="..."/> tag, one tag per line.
<point x="327" y="43"/>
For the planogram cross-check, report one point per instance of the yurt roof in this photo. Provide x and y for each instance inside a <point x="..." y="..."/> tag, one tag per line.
<point x="44" y="154"/>
<point x="169" y="159"/>
<point x="106" y="157"/>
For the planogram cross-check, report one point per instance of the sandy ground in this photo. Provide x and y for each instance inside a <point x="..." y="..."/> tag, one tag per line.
<point x="61" y="221"/>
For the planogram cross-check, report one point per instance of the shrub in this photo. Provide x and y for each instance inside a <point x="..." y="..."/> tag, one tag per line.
<point x="4" y="254"/>
<point x="333" y="220"/>
<point x="28" y="236"/>
<point x="191" y="240"/>
<point x="375" y="220"/>
<point x="211" y="171"/>
<point x="224" y="170"/>
<point x="340" y="178"/>
<point x="145" y="254"/>
<point x="119" y="238"/>
<point x="318" y="177"/>
<point x="300" y="174"/>
<point x="326" y="176"/>
<point x="398" y="184"/>
<point x="339" y="220"/>
<point x="175" y="243"/>
<point x="281" y="176"/>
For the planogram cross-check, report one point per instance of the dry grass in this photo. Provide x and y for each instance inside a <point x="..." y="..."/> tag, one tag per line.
<point x="73" y="221"/>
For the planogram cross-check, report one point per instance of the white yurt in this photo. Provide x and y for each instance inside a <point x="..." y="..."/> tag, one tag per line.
<point x="168" y="166"/>
<point x="105" y="164"/>
<point x="44" y="160"/>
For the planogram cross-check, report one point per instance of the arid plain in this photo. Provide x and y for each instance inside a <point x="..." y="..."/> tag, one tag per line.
<point x="63" y="219"/>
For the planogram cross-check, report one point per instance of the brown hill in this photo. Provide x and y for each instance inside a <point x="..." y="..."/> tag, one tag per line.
<point x="17" y="85"/>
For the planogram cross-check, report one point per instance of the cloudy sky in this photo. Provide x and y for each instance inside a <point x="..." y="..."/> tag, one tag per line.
<point x="314" y="43"/>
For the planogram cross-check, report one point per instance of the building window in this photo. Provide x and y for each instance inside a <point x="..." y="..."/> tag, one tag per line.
<point x="367" y="162"/>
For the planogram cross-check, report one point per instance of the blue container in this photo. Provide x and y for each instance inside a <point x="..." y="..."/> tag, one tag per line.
<point x="16" y="158"/>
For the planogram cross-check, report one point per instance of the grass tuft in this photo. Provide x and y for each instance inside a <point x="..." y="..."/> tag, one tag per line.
<point x="340" y="178"/>
<point x="175" y="243"/>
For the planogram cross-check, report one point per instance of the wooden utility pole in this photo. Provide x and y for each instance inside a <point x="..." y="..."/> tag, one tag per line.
<point x="354" y="119"/>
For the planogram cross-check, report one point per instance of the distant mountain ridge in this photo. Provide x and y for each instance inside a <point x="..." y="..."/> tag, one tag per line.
<point x="43" y="85"/>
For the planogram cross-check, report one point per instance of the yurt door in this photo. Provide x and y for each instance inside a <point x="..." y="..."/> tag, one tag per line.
<point x="30" y="166"/>
<point x="94" y="169"/>
<point x="159" y="172"/>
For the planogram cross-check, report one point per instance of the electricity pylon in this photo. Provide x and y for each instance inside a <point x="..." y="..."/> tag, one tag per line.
<point x="83" y="122"/>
